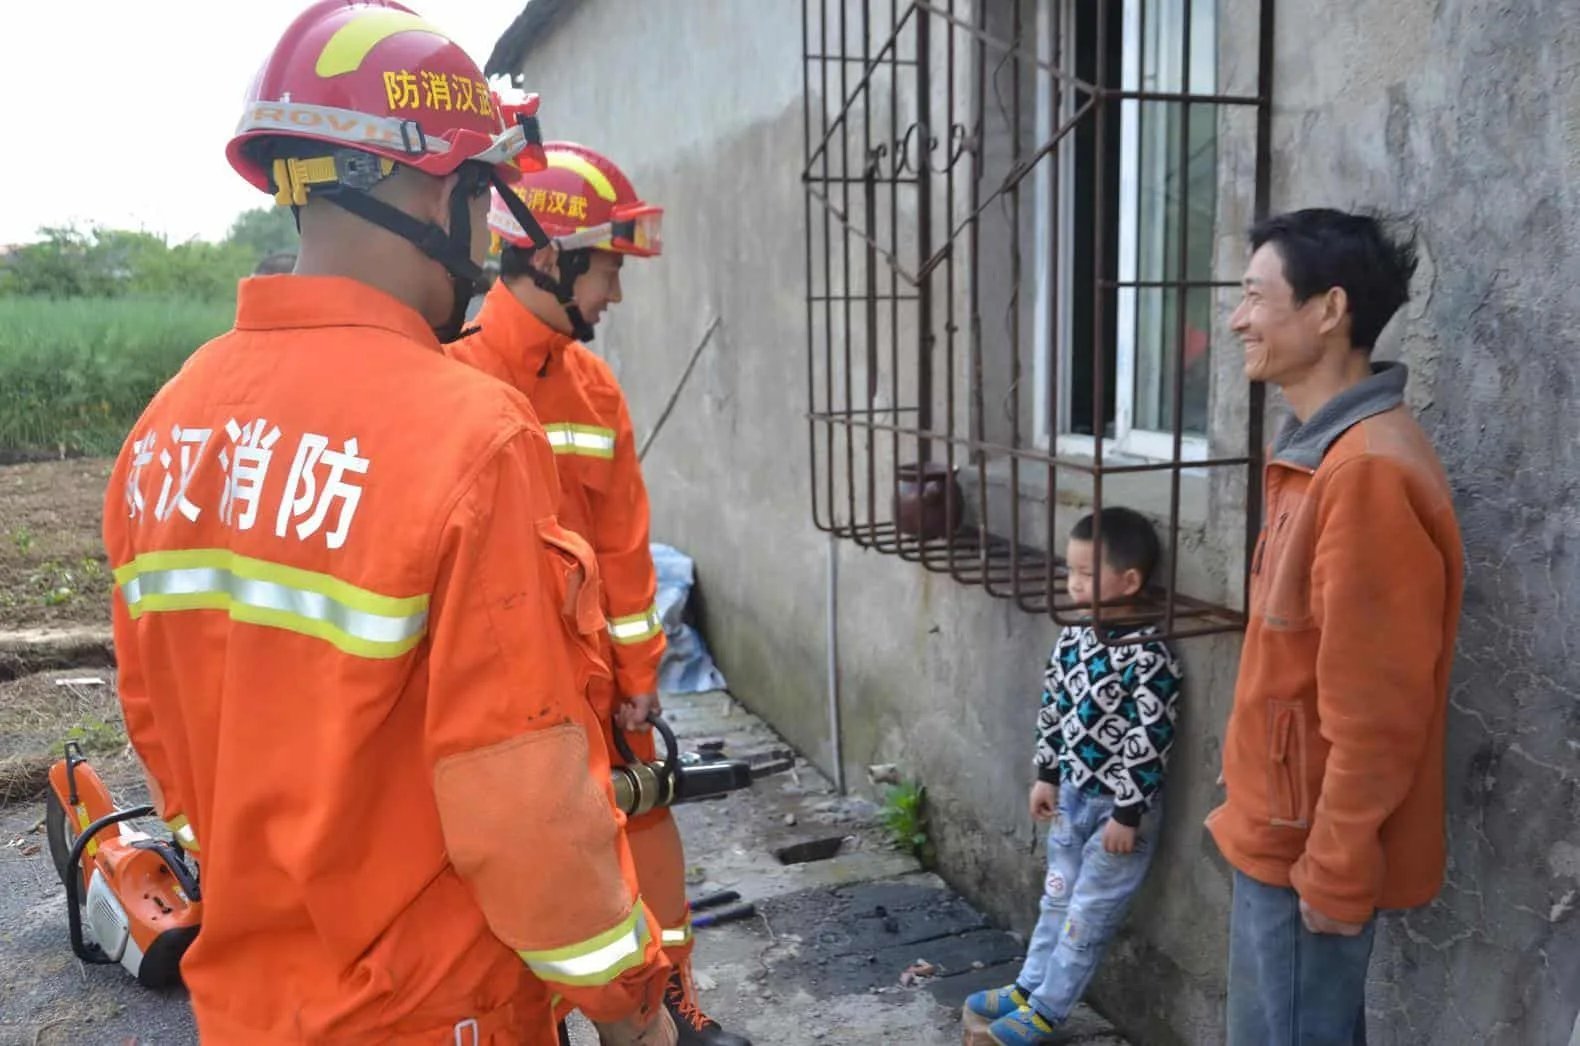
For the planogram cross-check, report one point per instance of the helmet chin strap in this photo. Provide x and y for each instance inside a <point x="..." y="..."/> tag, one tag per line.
<point x="451" y="249"/>
<point x="572" y="264"/>
<point x="356" y="173"/>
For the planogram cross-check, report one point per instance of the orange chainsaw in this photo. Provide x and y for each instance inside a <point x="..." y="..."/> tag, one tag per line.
<point x="131" y="899"/>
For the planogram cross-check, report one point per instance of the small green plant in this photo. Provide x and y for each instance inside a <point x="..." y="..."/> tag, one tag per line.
<point x="904" y="819"/>
<point x="96" y="737"/>
<point x="22" y="538"/>
<point x="58" y="584"/>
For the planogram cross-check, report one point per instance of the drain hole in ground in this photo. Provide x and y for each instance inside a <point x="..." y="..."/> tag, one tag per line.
<point x="810" y="850"/>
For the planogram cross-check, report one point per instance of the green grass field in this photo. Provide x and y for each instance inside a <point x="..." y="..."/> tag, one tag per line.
<point x="76" y="373"/>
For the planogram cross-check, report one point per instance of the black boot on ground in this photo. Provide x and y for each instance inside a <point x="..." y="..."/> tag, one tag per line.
<point x="695" y="1027"/>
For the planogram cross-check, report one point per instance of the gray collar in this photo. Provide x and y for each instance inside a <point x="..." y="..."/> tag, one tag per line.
<point x="1305" y="444"/>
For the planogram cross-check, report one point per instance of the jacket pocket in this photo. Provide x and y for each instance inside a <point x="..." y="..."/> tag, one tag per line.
<point x="1286" y="774"/>
<point x="1267" y="541"/>
<point x="573" y="571"/>
<point x="1282" y="565"/>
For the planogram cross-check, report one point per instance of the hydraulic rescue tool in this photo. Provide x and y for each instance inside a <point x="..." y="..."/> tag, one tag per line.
<point x="641" y="786"/>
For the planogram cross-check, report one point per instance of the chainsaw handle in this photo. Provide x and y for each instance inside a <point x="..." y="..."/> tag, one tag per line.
<point x="74" y="758"/>
<point x="86" y="952"/>
<point x="671" y="755"/>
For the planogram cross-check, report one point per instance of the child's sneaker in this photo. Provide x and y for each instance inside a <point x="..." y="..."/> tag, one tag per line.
<point x="988" y="1006"/>
<point x="1024" y="1027"/>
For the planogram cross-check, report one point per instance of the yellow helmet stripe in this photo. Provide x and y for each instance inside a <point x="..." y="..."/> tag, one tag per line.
<point x="592" y="175"/>
<point x="351" y="43"/>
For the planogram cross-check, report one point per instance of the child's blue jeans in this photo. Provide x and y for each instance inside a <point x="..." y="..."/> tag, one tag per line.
<point x="1085" y="895"/>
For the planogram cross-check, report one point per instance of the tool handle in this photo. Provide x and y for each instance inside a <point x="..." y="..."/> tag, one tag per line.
<point x="672" y="746"/>
<point x="713" y="900"/>
<point x="728" y="915"/>
<point x="89" y="952"/>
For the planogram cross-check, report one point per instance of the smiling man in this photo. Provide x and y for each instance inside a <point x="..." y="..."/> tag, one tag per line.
<point x="1333" y="758"/>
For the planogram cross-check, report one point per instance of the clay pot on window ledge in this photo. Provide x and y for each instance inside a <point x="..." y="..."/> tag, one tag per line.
<point x="922" y="500"/>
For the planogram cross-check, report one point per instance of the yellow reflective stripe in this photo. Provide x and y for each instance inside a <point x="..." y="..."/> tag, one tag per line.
<point x="182" y="830"/>
<point x="636" y="628"/>
<point x="255" y="591"/>
<point x="675" y="938"/>
<point x="588" y="440"/>
<point x="597" y="960"/>
<point x="245" y="566"/>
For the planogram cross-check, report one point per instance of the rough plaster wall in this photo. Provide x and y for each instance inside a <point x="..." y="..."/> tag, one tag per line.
<point x="940" y="678"/>
<point x="1470" y="122"/>
<point x="1464" y="115"/>
<point x="1002" y="304"/>
<point x="948" y="689"/>
<point x="712" y="130"/>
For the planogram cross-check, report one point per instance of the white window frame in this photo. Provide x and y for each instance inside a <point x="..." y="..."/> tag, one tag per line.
<point x="1052" y="319"/>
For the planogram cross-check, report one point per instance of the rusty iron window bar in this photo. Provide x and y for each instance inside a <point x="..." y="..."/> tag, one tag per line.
<point x="918" y="162"/>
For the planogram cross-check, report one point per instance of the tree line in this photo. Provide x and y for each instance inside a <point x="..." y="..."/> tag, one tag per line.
<point x="100" y="262"/>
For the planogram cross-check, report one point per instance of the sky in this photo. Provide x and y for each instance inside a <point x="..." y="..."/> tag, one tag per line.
<point x="117" y="113"/>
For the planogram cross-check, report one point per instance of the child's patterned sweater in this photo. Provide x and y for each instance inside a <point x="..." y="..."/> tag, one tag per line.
<point x="1107" y="718"/>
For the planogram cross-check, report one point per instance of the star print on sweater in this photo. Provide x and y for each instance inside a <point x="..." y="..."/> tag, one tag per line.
<point x="1107" y="718"/>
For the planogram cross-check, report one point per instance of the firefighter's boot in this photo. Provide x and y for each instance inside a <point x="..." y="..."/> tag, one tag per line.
<point x="695" y="1027"/>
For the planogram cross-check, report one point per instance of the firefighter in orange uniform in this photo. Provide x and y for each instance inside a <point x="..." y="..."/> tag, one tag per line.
<point x="530" y="333"/>
<point x="354" y="642"/>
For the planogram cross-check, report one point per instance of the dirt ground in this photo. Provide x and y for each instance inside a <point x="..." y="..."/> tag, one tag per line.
<point x="54" y="596"/>
<point x="39" y="712"/>
<point x="52" y="565"/>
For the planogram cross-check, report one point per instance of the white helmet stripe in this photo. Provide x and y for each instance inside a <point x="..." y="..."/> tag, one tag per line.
<point x="363" y="129"/>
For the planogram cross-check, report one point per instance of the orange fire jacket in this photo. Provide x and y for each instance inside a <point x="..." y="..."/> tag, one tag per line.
<point x="584" y="412"/>
<point x="347" y="628"/>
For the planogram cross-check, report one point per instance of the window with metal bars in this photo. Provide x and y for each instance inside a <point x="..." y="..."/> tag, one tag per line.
<point x="1014" y="211"/>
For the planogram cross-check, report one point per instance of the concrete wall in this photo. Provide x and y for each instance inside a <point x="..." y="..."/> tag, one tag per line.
<point x="701" y="105"/>
<point x="1465" y="114"/>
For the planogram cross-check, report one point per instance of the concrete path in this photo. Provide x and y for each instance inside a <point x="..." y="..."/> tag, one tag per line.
<point x="822" y="961"/>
